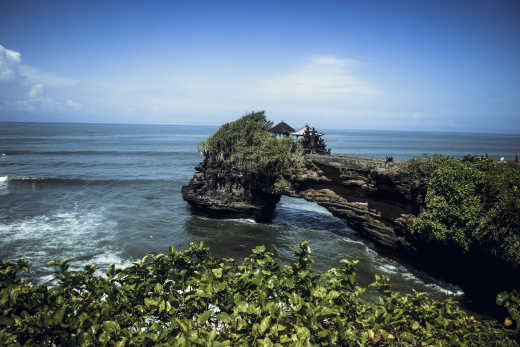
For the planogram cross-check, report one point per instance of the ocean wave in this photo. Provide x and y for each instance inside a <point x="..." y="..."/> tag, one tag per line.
<point x="369" y="251"/>
<point x="240" y="220"/>
<point x="102" y="261"/>
<point x="303" y="205"/>
<point x="388" y="268"/>
<point x="84" y="236"/>
<point x="61" y="227"/>
<point x="3" y="185"/>
<point x="78" y="181"/>
<point x="392" y="268"/>
<point x="445" y="288"/>
<point x="236" y="220"/>
<point x="110" y="153"/>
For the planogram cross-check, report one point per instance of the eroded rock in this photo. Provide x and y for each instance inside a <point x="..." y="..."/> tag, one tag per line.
<point x="378" y="202"/>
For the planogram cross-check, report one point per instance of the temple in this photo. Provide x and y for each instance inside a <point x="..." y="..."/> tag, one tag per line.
<point x="311" y="140"/>
<point x="282" y="129"/>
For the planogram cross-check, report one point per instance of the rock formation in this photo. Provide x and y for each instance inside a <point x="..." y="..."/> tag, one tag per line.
<point x="221" y="188"/>
<point x="374" y="197"/>
<point x="378" y="202"/>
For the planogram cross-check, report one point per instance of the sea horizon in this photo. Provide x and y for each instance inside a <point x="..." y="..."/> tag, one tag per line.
<point x="216" y="126"/>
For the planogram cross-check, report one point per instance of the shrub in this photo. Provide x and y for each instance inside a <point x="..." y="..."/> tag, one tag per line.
<point x="471" y="204"/>
<point x="281" y="186"/>
<point x="228" y="135"/>
<point x="248" y="143"/>
<point x="190" y="298"/>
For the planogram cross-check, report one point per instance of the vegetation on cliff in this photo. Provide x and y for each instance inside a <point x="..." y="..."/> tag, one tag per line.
<point x="249" y="143"/>
<point x="190" y="298"/>
<point x="472" y="205"/>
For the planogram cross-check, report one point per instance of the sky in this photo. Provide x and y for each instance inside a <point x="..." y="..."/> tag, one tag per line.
<point x="387" y="65"/>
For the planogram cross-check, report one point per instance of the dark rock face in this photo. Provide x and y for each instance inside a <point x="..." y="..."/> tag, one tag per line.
<point x="220" y="188"/>
<point x="379" y="202"/>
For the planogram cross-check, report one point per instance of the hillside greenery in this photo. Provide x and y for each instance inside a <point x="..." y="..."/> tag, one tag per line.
<point x="471" y="204"/>
<point x="248" y="142"/>
<point x="190" y="298"/>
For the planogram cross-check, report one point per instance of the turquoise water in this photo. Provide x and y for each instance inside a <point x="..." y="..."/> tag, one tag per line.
<point x="111" y="193"/>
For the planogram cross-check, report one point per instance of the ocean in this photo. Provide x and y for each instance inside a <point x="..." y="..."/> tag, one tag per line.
<point x="104" y="193"/>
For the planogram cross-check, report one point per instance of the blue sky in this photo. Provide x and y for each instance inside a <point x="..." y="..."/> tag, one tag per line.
<point x="409" y="65"/>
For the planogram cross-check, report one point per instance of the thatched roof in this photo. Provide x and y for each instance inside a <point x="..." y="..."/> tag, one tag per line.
<point x="282" y="128"/>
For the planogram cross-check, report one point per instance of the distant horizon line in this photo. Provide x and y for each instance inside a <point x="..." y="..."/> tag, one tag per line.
<point x="215" y="125"/>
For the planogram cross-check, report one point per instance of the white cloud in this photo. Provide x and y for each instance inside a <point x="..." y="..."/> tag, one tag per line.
<point x="73" y="105"/>
<point x="36" y="91"/>
<point x="322" y="79"/>
<point x="9" y="62"/>
<point x="324" y="85"/>
<point x="47" y="78"/>
<point x="25" y="88"/>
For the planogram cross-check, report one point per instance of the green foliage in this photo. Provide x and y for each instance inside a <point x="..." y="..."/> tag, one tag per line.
<point x="248" y="142"/>
<point x="511" y="301"/>
<point x="229" y="134"/>
<point x="472" y="203"/>
<point x="190" y="298"/>
<point x="422" y="166"/>
<point x="281" y="186"/>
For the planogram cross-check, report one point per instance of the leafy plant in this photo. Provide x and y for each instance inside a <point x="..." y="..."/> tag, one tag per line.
<point x="247" y="142"/>
<point x="281" y="186"/>
<point x="190" y="298"/>
<point x="471" y="204"/>
<point x="511" y="301"/>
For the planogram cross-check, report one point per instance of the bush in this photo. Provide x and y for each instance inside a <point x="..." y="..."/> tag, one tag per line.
<point x="190" y="298"/>
<point x="471" y="204"/>
<point x="228" y="135"/>
<point x="249" y="143"/>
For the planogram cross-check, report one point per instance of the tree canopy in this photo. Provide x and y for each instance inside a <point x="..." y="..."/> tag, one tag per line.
<point x="471" y="204"/>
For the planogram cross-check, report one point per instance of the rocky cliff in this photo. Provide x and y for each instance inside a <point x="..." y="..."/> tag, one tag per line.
<point x="225" y="188"/>
<point x="377" y="201"/>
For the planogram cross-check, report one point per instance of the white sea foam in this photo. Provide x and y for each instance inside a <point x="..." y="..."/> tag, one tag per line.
<point x="454" y="292"/>
<point x="402" y="271"/>
<point x="3" y="185"/>
<point x="111" y="258"/>
<point x="390" y="267"/>
<point x="102" y="262"/>
<point x="301" y="204"/>
<point x="240" y="220"/>
<point x="369" y="251"/>
<point x="354" y="241"/>
<point x="64" y="228"/>
<point x="84" y="236"/>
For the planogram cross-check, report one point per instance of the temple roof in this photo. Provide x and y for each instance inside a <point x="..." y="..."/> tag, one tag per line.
<point x="301" y="132"/>
<point x="282" y="128"/>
